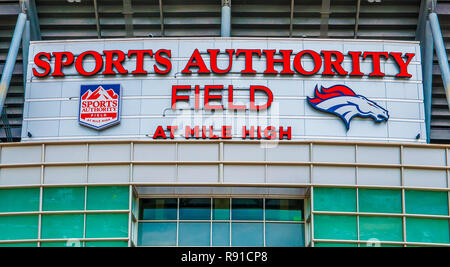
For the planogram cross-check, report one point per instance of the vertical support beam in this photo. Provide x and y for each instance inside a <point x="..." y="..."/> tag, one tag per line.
<point x="97" y="20"/>
<point x="424" y="35"/>
<point x="226" y="18"/>
<point x="358" y="12"/>
<point x="441" y="53"/>
<point x="325" y="18"/>
<point x="427" y="63"/>
<point x="291" y="28"/>
<point x="161" y="16"/>
<point x="26" y="37"/>
<point x="11" y="58"/>
<point x="128" y="14"/>
<point x="425" y="8"/>
<point x="31" y="10"/>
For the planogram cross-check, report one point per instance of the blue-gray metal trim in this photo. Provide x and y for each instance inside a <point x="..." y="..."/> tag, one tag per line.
<point x="31" y="11"/>
<point x="11" y="59"/>
<point x="428" y="52"/>
<point x="441" y="53"/>
<point x="26" y="38"/>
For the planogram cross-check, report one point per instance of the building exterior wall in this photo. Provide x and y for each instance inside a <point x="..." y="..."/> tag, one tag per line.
<point x="52" y="103"/>
<point x="395" y="193"/>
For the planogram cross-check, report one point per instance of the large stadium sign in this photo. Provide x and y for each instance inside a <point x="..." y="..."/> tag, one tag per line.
<point x="244" y="88"/>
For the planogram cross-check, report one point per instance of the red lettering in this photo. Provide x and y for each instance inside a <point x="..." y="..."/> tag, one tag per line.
<point x="286" y="61"/>
<point x="248" y="59"/>
<point x="213" y="53"/>
<point x="287" y="133"/>
<point x="42" y="64"/>
<point x="176" y="97"/>
<point x="140" y="54"/>
<point x="98" y="63"/>
<point x="196" y="61"/>
<point x="246" y="133"/>
<point x="197" y="97"/>
<point x="110" y="62"/>
<point x="163" y="61"/>
<point x="329" y="63"/>
<point x="209" y="97"/>
<point x="226" y="132"/>
<point x="356" y="56"/>
<point x="266" y="90"/>
<point x="160" y="133"/>
<point x="59" y="63"/>
<point x="376" y="56"/>
<point x="193" y="132"/>
<point x="270" y="133"/>
<point x="402" y="64"/>
<point x="298" y="62"/>
<point x="172" y="130"/>
<point x="231" y="106"/>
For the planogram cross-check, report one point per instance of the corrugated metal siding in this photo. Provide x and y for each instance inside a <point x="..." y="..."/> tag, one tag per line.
<point x="390" y="19"/>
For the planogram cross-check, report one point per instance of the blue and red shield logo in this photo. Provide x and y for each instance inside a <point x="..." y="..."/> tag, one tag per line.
<point x="346" y="104"/>
<point x="99" y="106"/>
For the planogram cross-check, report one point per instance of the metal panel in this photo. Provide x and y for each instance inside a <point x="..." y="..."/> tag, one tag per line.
<point x="65" y="175"/>
<point x="425" y="178"/>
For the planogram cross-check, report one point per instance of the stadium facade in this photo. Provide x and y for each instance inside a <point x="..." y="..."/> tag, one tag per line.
<point x="224" y="123"/>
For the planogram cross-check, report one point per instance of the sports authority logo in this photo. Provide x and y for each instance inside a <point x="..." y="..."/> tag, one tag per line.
<point x="99" y="106"/>
<point x="343" y="102"/>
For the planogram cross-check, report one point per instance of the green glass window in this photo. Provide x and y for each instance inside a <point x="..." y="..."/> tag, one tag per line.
<point x="381" y="228"/>
<point x="106" y="244"/>
<point x="380" y="201"/>
<point x="285" y="235"/>
<point x="19" y="200"/>
<point x="157" y="234"/>
<point x="19" y="245"/>
<point x="106" y="225"/>
<point x="63" y="199"/>
<point x="427" y="230"/>
<point x="69" y="244"/>
<point x="247" y="235"/>
<point x="335" y="227"/>
<point x="221" y="209"/>
<point x="195" y="209"/>
<point x="330" y="245"/>
<point x="108" y="198"/>
<point x="62" y="226"/>
<point x="19" y="227"/>
<point x="426" y="202"/>
<point x="335" y="199"/>
<point x="195" y="234"/>
<point x="158" y="209"/>
<point x="247" y="209"/>
<point x="221" y="234"/>
<point x="284" y="210"/>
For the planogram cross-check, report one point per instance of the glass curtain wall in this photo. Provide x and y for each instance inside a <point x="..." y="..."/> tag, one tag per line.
<point x="221" y="222"/>
<point x="380" y="217"/>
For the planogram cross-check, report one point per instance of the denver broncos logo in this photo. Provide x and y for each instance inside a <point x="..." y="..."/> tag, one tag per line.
<point x="343" y="102"/>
